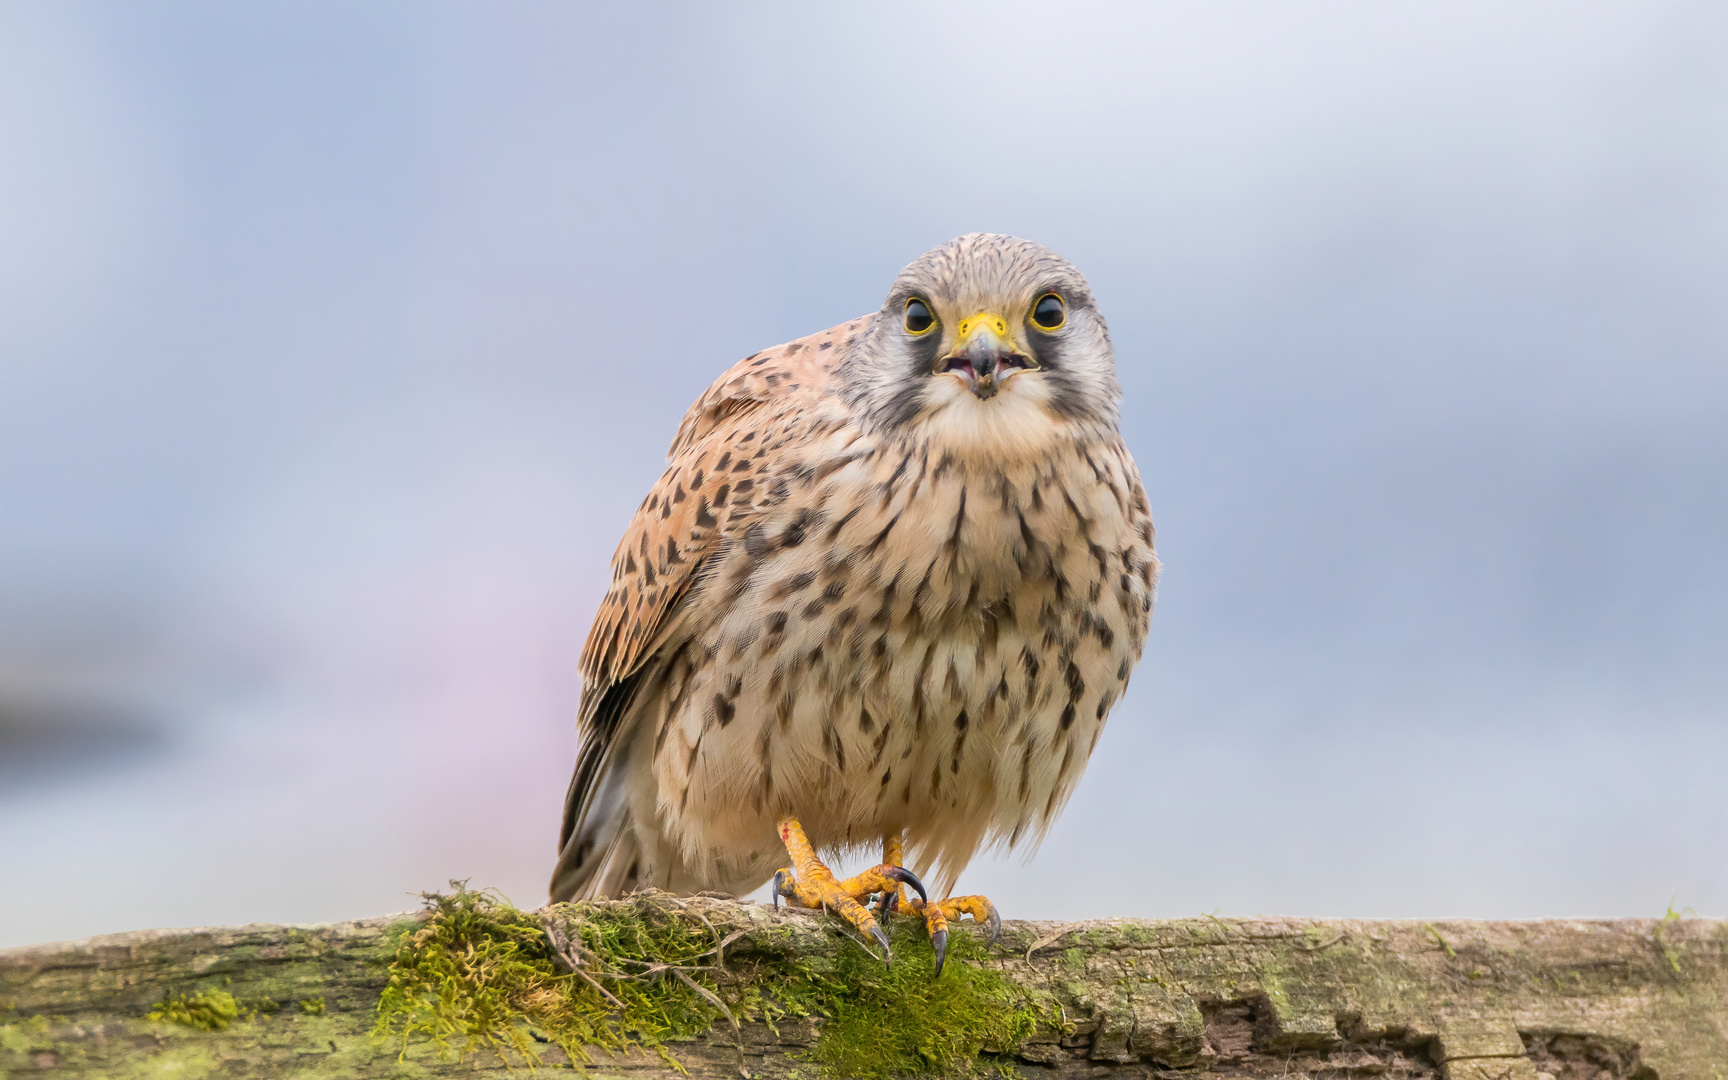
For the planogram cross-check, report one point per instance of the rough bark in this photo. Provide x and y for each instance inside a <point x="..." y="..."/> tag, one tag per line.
<point x="1455" y="1000"/>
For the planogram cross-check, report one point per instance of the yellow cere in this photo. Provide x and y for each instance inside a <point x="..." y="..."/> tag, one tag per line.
<point x="995" y="323"/>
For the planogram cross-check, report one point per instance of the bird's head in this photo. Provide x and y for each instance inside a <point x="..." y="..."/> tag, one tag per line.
<point x="989" y="342"/>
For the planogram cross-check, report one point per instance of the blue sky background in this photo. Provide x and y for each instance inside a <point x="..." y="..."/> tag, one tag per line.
<point x="337" y="345"/>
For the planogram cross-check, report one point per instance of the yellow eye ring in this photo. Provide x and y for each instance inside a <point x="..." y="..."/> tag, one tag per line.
<point x="919" y="318"/>
<point x="1049" y="313"/>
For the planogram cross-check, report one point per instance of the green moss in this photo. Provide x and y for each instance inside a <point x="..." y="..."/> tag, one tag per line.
<point x="206" y="1010"/>
<point x="1446" y="946"/>
<point x="18" y="1036"/>
<point x="1669" y="952"/>
<point x="898" y="1020"/>
<point x="480" y="975"/>
<point x="313" y="1006"/>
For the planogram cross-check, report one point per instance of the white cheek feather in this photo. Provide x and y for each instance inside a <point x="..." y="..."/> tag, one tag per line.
<point x="1015" y="424"/>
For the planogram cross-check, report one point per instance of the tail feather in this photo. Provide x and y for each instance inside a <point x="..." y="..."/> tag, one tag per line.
<point x="624" y="862"/>
<point x="589" y="849"/>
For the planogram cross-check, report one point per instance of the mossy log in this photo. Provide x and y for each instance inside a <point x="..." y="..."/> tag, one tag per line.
<point x="1455" y="1000"/>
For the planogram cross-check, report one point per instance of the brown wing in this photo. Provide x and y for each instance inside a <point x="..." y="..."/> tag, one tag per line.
<point x="696" y="502"/>
<point x="707" y="494"/>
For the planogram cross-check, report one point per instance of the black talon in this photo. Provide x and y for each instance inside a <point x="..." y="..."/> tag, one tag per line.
<point x="907" y="877"/>
<point x="939" y="942"/>
<point x="888" y="904"/>
<point x="781" y="888"/>
<point x="993" y="925"/>
<point x="882" y="939"/>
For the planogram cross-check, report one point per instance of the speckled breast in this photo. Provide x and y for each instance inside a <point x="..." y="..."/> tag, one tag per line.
<point x="907" y="641"/>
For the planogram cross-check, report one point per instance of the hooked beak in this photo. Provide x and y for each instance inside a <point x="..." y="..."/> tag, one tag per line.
<point x="984" y="354"/>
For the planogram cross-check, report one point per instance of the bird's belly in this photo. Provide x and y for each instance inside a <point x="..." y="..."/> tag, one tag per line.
<point x="952" y="690"/>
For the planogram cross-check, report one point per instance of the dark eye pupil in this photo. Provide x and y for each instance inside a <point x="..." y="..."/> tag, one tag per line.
<point x="1048" y="312"/>
<point x="918" y="317"/>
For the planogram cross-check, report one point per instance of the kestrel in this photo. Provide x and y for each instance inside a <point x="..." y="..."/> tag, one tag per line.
<point x="893" y="579"/>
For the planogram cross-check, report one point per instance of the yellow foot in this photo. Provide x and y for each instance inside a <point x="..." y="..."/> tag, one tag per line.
<point x="809" y="882"/>
<point x="937" y="913"/>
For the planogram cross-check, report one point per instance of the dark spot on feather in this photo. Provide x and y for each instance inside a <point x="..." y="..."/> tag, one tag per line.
<point x="755" y="545"/>
<point x="1029" y="661"/>
<point x="835" y="746"/>
<point x="1106" y="636"/>
<point x="834" y="530"/>
<point x="871" y="547"/>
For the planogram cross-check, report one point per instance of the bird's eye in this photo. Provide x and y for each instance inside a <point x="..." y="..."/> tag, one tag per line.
<point x="918" y="317"/>
<point x="1048" y="312"/>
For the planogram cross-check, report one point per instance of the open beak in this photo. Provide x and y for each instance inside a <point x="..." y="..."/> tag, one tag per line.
<point x="984" y="354"/>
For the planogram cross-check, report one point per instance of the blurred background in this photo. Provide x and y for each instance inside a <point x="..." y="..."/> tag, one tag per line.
<point x="339" y="342"/>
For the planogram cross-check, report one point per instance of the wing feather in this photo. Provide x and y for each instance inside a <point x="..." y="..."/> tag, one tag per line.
<point x="688" y="514"/>
<point x="680" y="521"/>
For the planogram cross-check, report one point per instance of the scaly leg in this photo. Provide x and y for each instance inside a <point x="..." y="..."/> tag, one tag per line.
<point x="937" y="913"/>
<point x="809" y="882"/>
